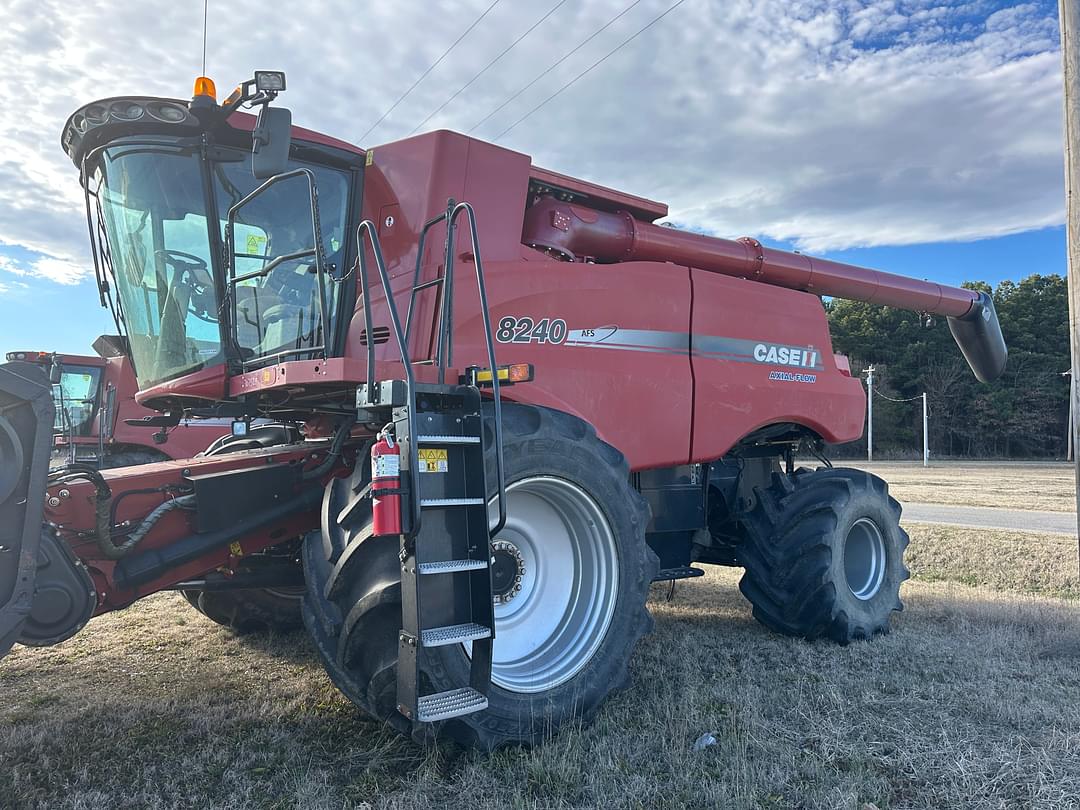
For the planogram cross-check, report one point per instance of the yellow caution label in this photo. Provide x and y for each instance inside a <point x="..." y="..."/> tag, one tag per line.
<point x="256" y="244"/>
<point x="432" y="460"/>
<point x="235" y="550"/>
<point x="369" y="158"/>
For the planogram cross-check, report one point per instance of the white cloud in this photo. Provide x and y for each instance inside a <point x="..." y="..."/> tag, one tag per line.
<point x="60" y="270"/>
<point x="830" y="124"/>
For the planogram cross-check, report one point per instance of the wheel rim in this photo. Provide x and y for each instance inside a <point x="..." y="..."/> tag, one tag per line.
<point x="552" y="618"/>
<point x="864" y="559"/>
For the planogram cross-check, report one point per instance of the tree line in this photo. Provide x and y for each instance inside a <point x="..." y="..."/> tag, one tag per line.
<point x="1024" y="414"/>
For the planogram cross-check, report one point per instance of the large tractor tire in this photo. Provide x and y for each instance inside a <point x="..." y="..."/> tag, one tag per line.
<point x="566" y="620"/>
<point x="251" y="610"/>
<point x="823" y="553"/>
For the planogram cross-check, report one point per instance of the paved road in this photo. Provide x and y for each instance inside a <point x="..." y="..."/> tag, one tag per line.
<point x="985" y="517"/>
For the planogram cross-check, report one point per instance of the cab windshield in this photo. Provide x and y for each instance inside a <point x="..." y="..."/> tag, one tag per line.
<point x="166" y="262"/>
<point x="76" y="399"/>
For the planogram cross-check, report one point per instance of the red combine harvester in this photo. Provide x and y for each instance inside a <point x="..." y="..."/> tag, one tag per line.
<point x="99" y="423"/>
<point x="487" y="475"/>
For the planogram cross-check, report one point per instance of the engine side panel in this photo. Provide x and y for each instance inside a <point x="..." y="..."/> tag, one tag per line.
<point x="762" y="355"/>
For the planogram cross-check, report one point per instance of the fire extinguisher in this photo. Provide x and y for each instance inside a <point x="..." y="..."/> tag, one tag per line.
<point x="386" y="484"/>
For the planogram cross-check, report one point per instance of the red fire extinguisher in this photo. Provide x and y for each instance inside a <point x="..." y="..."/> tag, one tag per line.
<point x="386" y="484"/>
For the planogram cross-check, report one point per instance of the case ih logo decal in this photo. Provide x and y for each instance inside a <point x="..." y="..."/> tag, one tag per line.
<point x="785" y="355"/>
<point x="711" y="347"/>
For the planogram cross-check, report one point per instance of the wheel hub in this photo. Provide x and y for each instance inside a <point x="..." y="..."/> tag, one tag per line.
<point x="865" y="559"/>
<point x="555" y="575"/>
<point x="507" y="571"/>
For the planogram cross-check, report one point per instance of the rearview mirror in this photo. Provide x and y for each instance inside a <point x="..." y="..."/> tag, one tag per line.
<point x="270" y="142"/>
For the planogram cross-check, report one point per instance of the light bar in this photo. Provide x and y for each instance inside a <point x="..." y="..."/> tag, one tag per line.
<point x="508" y="375"/>
<point x="29" y="357"/>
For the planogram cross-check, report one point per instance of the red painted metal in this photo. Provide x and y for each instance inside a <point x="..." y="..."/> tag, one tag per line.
<point x="73" y="515"/>
<point x="600" y="197"/>
<point x="577" y="232"/>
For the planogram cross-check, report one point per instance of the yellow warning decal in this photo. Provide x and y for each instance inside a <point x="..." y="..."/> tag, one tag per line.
<point x="235" y="550"/>
<point x="256" y="244"/>
<point x="432" y="460"/>
<point x="369" y="158"/>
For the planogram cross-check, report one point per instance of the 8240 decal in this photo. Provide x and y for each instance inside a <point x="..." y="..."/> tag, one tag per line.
<point x="528" y="330"/>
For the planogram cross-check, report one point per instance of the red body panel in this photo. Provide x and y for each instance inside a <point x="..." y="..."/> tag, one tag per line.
<point x="74" y="512"/>
<point x="640" y="392"/>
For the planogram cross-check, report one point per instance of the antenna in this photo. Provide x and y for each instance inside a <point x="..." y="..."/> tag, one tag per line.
<point x="205" y="3"/>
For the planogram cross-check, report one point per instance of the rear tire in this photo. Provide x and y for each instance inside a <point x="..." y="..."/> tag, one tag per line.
<point x="255" y="610"/>
<point x="823" y="554"/>
<point x="549" y="456"/>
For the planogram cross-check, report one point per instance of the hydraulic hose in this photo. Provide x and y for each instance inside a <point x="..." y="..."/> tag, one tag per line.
<point x="103" y="537"/>
<point x="332" y="455"/>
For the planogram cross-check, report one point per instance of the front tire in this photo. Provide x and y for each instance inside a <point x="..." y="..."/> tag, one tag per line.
<point x="574" y="549"/>
<point x="823" y="553"/>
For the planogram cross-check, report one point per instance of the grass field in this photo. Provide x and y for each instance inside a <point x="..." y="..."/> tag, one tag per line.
<point x="1043" y="486"/>
<point x="972" y="701"/>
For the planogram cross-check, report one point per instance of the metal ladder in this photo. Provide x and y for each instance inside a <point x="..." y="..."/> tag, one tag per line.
<point x="445" y="554"/>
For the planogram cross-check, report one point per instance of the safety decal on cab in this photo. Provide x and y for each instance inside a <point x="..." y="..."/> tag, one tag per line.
<point x="432" y="460"/>
<point x="512" y="329"/>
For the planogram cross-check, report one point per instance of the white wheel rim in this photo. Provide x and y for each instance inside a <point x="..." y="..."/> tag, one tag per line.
<point x="864" y="559"/>
<point x="547" y="631"/>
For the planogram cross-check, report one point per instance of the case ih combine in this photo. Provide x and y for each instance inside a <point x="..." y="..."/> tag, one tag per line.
<point x="477" y="554"/>
<point x="99" y="423"/>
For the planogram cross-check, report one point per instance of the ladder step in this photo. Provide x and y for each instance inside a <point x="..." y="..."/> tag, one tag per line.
<point x="440" y="502"/>
<point x="448" y="439"/>
<point x="444" y="705"/>
<point x="451" y="566"/>
<point x="453" y="634"/>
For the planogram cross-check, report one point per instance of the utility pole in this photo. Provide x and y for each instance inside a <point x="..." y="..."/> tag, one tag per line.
<point x="870" y="416"/>
<point x="1069" y="14"/>
<point x="925" y="435"/>
<point x="1069" y="432"/>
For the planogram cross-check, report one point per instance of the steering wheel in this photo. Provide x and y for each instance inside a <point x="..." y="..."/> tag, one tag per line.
<point x="194" y="266"/>
<point x="198" y="274"/>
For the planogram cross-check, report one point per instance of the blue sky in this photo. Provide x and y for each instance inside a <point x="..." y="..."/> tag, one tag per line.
<point x="916" y="136"/>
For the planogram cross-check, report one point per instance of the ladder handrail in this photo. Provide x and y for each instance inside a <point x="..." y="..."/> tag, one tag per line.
<point x="444" y="347"/>
<point x="371" y="229"/>
<point x="489" y="339"/>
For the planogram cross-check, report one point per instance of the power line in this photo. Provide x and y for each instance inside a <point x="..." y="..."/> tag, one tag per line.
<point x="484" y="70"/>
<point x="433" y="65"/>
<point x="565" y="56"/>
<point x="598" y="62"/>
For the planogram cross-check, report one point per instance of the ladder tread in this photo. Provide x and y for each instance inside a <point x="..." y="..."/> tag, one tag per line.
<point x="440" y="439"/>
<point x="451" y="566"/>
<point x="441" y="502"/>
<point x="453" y="703"/>
<point x="453" y="634"/>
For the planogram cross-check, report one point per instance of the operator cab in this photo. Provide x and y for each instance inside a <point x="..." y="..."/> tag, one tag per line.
<point x="161" y="177"/>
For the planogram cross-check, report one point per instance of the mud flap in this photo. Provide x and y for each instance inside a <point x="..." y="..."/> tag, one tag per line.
<point x="26" y="423"/>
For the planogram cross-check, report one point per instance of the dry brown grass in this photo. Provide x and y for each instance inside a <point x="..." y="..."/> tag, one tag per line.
<point x="1009" y="561"/>
<point x="1043" y="486"/>
<point x="972" y="701"/>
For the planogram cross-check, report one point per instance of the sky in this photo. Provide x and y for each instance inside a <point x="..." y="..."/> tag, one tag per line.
<point x="917" y="137"/>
